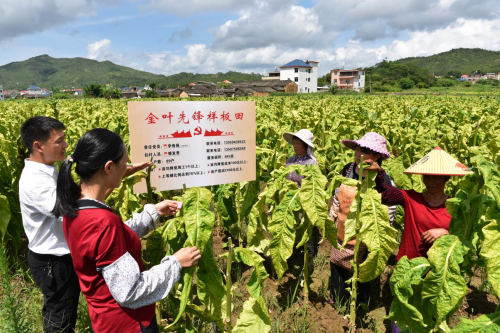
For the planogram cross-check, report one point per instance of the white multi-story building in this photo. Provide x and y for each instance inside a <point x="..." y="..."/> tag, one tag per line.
<point x="1" y="93"/>
<point x="303" y="72"/>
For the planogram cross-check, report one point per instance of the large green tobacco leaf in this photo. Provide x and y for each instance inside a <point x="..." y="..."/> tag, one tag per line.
<point x="303" y="231"/>
<point x="4" y="215"/>
<point x="406" y="284"/>
<point x="256" y="222"/>
<point x="250" y="197"/>
<point x="377" y="234"/>
<point x="123" y="198"/>
<point x="199" y="222"/>
<point x="253" y="318"/>
<point x="336" y="181"/>
<point x="467" y="221"/>
<point x="173" y="234"/>
<point x="444" y="287"/>
<point x="491" y="176"/>
<point x="471" y="183"/>
<point x="187" y="281"/>
<point x="488" y="323"/>
<point x="226" y="208"/>
<point x="466" y="211"/>
<point x="259" y="274"/>
<point x="198" y="219"/>
<point x="395" y="168"/>
<point x="282" y="227"/>
<point x="491" y="248"/>
<point x="203" y="314"/>
<point x="312" y="196"/>
<point x="211" y="290"/>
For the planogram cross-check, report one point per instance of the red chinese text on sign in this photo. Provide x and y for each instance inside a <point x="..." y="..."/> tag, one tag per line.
<point x="151" y="118"/>
<point x="182" y="117"/>
<point x="198" y="116"/>
<point x="225" y="116"/>
<point x="169" y="116"/>
<point x="212" y="116"/>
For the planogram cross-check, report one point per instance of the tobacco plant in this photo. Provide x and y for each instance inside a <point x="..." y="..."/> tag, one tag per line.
<point x="428" y="291"/>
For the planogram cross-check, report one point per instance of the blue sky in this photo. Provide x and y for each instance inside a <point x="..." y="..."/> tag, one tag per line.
<point x="199" y="36"/>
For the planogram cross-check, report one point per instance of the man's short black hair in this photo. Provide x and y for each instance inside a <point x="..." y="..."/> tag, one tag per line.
<point x="39" y="129"/>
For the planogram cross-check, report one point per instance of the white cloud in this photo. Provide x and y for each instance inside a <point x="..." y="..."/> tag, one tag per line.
<point x="200" y="58"/>
<point x="394" y="16"/>
<point x="101" y="51"/>
<point x="463" y="33"/>
<point x="271" y="33"/>
<point x="22" y="17"/>
<point x="191" y="7"/>
<point x="288" y="26"/>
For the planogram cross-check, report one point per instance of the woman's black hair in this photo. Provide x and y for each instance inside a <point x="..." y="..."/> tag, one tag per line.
<point x="94" y="149"/>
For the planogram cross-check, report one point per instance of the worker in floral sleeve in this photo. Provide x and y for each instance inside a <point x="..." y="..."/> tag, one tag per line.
<point x="107" y="252"/>
<point x="371" y="146"/>
<point x="49" y="259"/>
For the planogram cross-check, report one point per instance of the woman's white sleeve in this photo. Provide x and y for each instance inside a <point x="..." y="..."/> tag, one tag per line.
<point x="145" y="221"/>
<point x="133" y="289"/>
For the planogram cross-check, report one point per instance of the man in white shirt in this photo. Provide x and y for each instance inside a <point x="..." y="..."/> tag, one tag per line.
<point x="48" y="254"/>
<point x="49" y="258"/>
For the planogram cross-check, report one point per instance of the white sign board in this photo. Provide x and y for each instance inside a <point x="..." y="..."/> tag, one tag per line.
<point x="193" y="143"/>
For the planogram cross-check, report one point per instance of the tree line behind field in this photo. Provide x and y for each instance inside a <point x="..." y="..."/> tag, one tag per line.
<point x="439" y="70"/>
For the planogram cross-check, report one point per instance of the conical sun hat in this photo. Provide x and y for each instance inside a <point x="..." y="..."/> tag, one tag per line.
<point x="438" y="163"/>
<point x="304" y="135"/>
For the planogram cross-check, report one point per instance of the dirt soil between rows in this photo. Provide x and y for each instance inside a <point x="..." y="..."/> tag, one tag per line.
<point x="286" y="303"/>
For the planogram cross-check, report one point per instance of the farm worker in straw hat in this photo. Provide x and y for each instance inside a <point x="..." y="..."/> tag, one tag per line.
<point x="303" y="146"/>
<point x="426" y="218"/>
<point x="372" y="146"/>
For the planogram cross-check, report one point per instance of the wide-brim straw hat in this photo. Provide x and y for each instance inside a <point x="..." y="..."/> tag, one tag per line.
<point x="372" y="141"/>
<point x="438" y="163"/>
<point x="304" y="134"/>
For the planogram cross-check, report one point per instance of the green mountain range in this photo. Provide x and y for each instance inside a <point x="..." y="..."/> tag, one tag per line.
<point x="46" y="72"/>
<point x="465" y="61"/>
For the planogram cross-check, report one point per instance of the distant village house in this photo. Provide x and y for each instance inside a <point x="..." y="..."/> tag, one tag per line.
<point x="471" y="77"/>
<point x="491" y="76"/>
<point x="303" y="72"/>
<point x="348" y="79"/>
<point x="36" y="92"/>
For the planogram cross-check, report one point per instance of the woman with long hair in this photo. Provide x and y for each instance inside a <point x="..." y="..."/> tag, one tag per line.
<point x="106" y="252"/>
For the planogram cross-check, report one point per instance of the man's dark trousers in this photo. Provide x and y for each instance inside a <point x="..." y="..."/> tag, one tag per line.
<point x="56" y="277"/>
